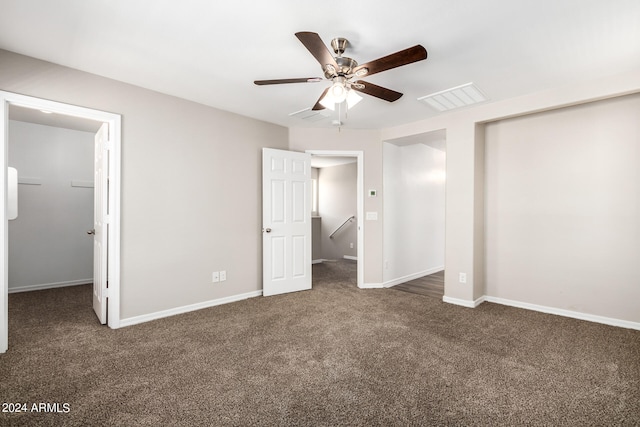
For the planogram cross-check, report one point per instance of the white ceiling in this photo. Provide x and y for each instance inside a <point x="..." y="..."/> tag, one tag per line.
<point x="330" y="161"/>
<point x="40" y="117"/>
<point x="212" y="51"/>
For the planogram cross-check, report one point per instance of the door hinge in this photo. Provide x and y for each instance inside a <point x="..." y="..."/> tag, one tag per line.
<point x="105" y="293"/>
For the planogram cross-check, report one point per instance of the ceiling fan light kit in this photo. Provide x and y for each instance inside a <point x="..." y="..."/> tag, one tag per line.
<point x="338" y="90"/>
<point x="344" y="72"/>
<point x="330" y="100"/>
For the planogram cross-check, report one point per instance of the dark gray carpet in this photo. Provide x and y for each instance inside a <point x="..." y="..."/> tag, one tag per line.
<point x="335" y="355"/>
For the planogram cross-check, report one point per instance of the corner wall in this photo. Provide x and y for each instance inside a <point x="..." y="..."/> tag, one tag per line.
<point x="337" y="194"/>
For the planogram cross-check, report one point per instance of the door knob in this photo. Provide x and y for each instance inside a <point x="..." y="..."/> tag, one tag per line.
<point x="267" y="230"/>
<point x="92" y="231"/>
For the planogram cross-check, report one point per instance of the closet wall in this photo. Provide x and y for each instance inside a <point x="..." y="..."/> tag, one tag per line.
<point x="48" y="241"/>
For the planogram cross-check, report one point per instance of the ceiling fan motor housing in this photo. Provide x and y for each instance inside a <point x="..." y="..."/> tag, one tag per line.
<point x="345" y="66"/>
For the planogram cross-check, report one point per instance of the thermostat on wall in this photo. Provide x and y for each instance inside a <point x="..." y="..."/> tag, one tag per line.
<point x="373" y="193"/>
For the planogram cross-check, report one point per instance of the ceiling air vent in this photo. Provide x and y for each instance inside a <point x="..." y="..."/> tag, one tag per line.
<point x="310" y="115"/>
<point x="457" y="97"/>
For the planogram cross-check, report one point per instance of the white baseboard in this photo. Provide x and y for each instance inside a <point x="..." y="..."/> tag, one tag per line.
<point x="352" y="258"/>
<point x="567" y="313"/>
<point x="371" y="286"/>
<point x="186" y="309"/>
<point x="463" y="302"/>
<point x="317" y="261"/>
<point x="42" y="286"/>
<point x="399" y="280"/>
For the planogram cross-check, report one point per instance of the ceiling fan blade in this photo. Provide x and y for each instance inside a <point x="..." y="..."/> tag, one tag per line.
<point x="398" y="59"/>
<point x="282" y="81"/>
<point x="318" y="49"/>
<point x="319" y="106"/>
<point x="377" y="91"/>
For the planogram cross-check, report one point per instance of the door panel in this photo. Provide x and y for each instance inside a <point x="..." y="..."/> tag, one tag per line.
<point x="299" y="256"/>
<point x="286" y="219"/>
<point x="277" y="201"/>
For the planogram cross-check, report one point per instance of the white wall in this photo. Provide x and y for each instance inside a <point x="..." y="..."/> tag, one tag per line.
<point x="563" y="208"/>
<point x="178" y="223"/>
<point x="465" y="168"/>
<point x="337" y="194"/>
<point x="414" y="211"/>
<point x="48" y="243"/>
<point x="191" y="192"/>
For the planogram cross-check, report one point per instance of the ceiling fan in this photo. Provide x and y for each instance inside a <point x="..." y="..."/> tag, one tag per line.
<point x="345" y="73"/>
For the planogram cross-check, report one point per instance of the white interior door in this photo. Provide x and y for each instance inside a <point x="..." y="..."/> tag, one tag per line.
<point x="286" y="221"/>
<point x="100" y="227"/>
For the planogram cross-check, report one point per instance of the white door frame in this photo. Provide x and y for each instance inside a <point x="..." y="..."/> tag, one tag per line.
<point x="359" y="155"/>
<point x="114" y="122"/>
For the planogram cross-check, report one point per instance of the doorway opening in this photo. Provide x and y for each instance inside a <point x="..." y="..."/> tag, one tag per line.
<point x="414" y="181"/>
<point x="106" y="184"/>
<point x="52" y="156"/>
<point x="337" y="222"/>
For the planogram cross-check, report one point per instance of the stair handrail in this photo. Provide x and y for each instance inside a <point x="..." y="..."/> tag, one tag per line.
<point x="342" y="225"/>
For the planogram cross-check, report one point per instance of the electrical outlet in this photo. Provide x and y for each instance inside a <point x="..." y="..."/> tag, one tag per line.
<point x="223" y="275"/>
<point x="215" y="277"/>
<point x="351" y="245"/>
<point x="462" y="277"/>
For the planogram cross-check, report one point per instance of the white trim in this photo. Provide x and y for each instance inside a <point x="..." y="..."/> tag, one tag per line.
<point x="352" y="258"/>
<point x="187" y="308"/>
<point x="114" y="123"/>
<point x="371" y="285"/>
<point x="39" y="287"/>
<point x="464" y="302"/>
<point x="403" y="279"/>
<point x="359" y="155"/>
<point x="4" y="229"/>
<point x="113" y="273"/>
<point x="566" y="313"/>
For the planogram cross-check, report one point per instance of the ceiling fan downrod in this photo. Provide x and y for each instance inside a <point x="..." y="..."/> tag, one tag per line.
<point x="339" y="45"/>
